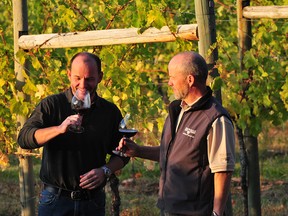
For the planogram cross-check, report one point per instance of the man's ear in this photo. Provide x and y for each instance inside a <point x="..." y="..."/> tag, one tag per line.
<point x="69" y="74"/>
<point x="191" y="80"/>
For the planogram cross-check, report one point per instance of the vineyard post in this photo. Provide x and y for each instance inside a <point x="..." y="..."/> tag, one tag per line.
<point x="205" y="16"/>
<point x="26" y="176"/>
<point x="250" y="142"/>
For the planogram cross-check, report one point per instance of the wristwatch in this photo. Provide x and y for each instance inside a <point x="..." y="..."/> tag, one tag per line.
<point x="214" y="214"/>
<point x="107" y="171"/>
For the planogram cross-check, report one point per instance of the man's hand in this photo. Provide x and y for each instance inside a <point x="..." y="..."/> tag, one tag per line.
<point x="128" y="147"/>
<point x="43" y="135"/>
<point x="70" y="120"/>
<point x="131" y="149"/>
<point x="92" y="179"/>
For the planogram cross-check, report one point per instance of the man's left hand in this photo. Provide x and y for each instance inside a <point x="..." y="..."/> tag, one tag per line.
<point x="92" y="179"/>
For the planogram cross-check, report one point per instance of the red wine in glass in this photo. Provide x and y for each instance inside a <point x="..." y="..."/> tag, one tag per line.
<point x="126" y="132"/>
<point x="80" y="104"/>
<point x="81" y="111"/>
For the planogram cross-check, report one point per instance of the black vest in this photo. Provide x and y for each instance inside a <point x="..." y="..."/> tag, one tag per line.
<point x="186" y="182"/>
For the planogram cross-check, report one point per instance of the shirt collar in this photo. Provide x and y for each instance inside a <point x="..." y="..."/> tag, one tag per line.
<point x="186" y="106"/>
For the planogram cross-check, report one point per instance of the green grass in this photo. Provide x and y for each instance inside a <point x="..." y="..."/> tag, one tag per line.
<point x="275" y="168"/>
<point x="272" y="167"/>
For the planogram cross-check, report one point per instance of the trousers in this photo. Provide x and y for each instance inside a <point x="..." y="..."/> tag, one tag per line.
<point x="52" y="203"/>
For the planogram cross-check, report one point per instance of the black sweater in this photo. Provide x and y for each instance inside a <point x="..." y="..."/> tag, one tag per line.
<point x="69" y="155"/>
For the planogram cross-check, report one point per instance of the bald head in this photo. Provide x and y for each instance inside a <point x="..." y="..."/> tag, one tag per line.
<point x="87" y="57"/>
<point x="190" y="63"/>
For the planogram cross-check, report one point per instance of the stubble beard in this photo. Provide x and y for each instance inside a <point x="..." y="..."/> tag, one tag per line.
<point x="181" y="94"/>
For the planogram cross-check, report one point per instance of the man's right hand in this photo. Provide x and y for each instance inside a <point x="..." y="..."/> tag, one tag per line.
<point x="128" y="147"/>
<point x="43" y="135"/>
<point x="70" y="120"/>
<point x="131" y="149"/>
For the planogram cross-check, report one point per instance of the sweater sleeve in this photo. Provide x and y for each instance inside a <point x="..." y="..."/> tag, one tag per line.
<point x="26" y="138"/>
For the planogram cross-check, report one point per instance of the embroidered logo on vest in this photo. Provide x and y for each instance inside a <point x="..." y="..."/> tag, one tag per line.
<point x="189" y="132"/>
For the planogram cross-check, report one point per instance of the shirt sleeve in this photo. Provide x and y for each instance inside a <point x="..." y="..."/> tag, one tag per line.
<point x="26" y="138"/>
<point x="221" y="145"/>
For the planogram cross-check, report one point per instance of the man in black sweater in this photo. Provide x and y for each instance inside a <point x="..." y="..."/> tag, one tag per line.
<point x="74" y="168"/>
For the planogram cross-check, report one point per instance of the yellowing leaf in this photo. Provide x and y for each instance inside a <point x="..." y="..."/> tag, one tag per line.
<point x="106" y="93"/>
<point x="115" y="98"/>
<point x="151" y="17"/>
<point x="36" y="64"/>
<point x="150" y="126"/>
<point x="124" y="96"/>
<point x="265" y="74"/>
<point x="4" y="161"/>
<point x="40" y="92"/>
<point x="2" y="82"/>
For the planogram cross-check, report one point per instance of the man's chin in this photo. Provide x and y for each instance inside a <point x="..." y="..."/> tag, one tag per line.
<point x="177" y="97"/>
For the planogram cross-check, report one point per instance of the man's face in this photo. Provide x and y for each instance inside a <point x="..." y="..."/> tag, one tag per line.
<point x="178" y="81"/>
<point x="84" y="75"/>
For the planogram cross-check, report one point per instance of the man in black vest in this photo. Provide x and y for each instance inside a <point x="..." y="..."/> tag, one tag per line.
<point x="196" y="153"/>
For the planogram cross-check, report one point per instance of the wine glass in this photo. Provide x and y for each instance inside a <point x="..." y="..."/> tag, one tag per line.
<point x="127" y="131"/>
<point x="80" y="103"/>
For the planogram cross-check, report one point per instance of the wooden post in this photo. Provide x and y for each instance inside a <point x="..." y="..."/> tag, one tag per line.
<point x="273" y="12"/>
<point x="205" y="16"/>
<point x="251" y="143"/>
<point x="107" y="37"/>
<point x="26" y="177"/>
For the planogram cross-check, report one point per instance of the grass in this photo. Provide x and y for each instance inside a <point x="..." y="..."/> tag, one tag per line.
<point x="274" y="186"/>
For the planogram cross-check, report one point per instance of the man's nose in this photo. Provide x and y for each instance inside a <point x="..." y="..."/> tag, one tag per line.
<point x="83" y="83"/>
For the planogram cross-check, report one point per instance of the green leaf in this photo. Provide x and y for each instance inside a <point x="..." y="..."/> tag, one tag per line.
<point x="250" y="60"/>
<point x="266" y="101"/>
<point x="216" y="84"/>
